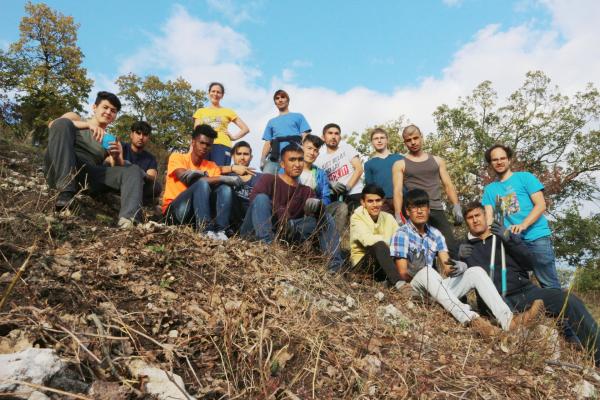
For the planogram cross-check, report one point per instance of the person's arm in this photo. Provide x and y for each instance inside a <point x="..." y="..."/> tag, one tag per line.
<point x="265" y="150"/>
<point x="115" y="154"/>
<point x="398" y="184"/>
<point x="243" y="129"/>
<point x="358" y="171"/>
<point x="237" y="169"/>
<point x="68" y="115"/>
<point x="489" y="214"/>
<point x="447" y="182"/>
<point x="402" y="268"/>
<point x="363" y="233"/>
<point x="539" y="206"/>
<point x="443" y="257"/>
<point x="97" y="131"/>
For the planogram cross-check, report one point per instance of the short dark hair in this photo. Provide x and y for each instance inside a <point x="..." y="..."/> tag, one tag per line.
<point x="474" y="205"/>
<point x="241" y="144"/>
<point x="378" y="130"/>
<point x="410" y="129"/>
<point x="142" y="127"/>
<point x="507" y="150"/>
<point x="282" y="93"/>
<point x="204" y="129"/>
<point x="110" y="97"/>
<point x="291" y="148"/>
<point x="416" y="197"/>
<point x="372" y="188"/>
<point x="315" y="140"/>
<point x="217" y="84"/>
<point x="331" y="125"/>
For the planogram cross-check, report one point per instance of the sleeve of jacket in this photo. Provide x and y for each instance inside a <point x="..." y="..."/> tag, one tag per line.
<point x="323" y="190"/>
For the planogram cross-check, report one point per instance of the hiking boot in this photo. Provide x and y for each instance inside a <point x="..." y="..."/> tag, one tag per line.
<point x="125" y="223"/>
<point x="528" y="317"/>
<point x="63" y="201"/>
<point x="484" y="328"/>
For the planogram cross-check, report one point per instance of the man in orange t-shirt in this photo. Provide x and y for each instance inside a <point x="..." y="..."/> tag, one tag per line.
<point x="193" y="181"/>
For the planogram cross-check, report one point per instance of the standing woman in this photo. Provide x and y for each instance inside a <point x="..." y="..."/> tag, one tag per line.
<point x="219" y="118"/>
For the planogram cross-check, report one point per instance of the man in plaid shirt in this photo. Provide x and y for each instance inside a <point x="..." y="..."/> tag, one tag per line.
<point x="415" y="247"/>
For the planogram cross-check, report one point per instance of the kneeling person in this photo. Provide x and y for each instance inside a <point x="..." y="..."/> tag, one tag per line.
<point x="415" y="246"/>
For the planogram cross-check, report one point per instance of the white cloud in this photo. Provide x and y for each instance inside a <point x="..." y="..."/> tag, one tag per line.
<point x="234" y="12"/>
<point x="452" y="3"/>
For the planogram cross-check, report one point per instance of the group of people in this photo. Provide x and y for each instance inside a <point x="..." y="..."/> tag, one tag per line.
<point x="312" y="188"/>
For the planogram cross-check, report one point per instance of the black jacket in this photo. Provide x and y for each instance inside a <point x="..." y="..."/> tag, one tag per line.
<point x="518" y="262"/>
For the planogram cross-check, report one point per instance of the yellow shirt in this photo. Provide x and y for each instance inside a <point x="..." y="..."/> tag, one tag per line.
<point x="365" y="232"/>
<point x="219" y="119"/>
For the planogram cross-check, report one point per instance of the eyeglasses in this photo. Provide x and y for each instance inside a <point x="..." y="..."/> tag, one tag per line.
<point x="421" y="207"/>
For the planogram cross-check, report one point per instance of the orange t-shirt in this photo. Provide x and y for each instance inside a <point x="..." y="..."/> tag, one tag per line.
<point x="174" y="186"/>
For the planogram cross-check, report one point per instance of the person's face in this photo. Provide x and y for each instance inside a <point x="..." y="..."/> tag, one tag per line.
<point x="379" y="141"/>
<point x="138" y="139"/>
<point x="476" y="221"/>
<point x="372" y="203"/>
<point x="282" y="102"/>
<point x="332" y="137"/>
<point x="104" y="112"/>
<point x="413" y="142"/>
<point x="201" y="145"/>
<point x="292" y="163"/>
<point x="215" y="94"/>
<point x="311" y="152"/>
<point x="499" y="161"/>
<point x="418" y="214"/>
<point x="242" y="156"/>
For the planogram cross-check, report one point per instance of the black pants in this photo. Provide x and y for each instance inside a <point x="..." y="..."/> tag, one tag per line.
<point x="151" y="192"/>
<point x="438" y="219"/>
<point x="379" y="260"/>
<point x="575" y="316"/>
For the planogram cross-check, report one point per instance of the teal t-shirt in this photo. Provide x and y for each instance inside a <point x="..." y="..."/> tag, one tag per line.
<point x="515" y="194"/>
<point x="379" y="171"/>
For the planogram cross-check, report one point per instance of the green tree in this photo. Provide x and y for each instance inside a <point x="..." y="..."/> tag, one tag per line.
<point x="167" y="106"/>
<point x="43" y="70"/>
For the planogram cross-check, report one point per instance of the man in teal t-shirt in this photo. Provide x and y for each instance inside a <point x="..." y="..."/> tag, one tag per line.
<point x="522" y="204"/>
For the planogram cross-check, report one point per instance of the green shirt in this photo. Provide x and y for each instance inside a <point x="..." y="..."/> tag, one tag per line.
<point x="87" y="149"/>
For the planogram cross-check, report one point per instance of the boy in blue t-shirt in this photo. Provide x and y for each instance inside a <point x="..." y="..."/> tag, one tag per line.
<point x="280" y="131"/>
<point x="521" y="200"/>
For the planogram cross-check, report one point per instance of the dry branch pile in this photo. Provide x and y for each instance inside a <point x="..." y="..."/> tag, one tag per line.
<point x="236" y="319"/>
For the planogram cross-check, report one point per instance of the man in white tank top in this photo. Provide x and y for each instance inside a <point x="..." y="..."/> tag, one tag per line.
<point x="420" y="170"/>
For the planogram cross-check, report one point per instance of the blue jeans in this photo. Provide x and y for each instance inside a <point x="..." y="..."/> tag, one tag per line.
<point x="259" y="222"/>
<point x="545" y="265"/>
<point x="193" y="206"/>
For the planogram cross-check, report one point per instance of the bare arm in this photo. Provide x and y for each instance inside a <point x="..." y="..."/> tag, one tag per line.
<point x="398" y="182"/>
<point x="443" y="257"/>
<point x="237" y="169"/>
<point x="489" y="214"/>
<point x="539" y="206"/>
<point x="243" y="129"/>
<point x="358" y="171"/>
<point x="447" y="182"/>
<point x="265" y="150"/>
<point x="402" y="268"/>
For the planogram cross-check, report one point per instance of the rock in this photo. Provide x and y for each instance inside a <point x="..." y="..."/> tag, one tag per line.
<point x="14" y="342"/>
<point x="76" y="276"/>
<point x="379" y="296"/>
<point x="585" y="390"/>
<point x="102" y="390"/>
<point x="159" y="383"/>
<point x="173" y="333"/>
<point x="32" y="365"/>
<point x="350" y="302"/>
<point x="370" y="364"/>
<point x="392" y="316"/>
<point x="549" y="340"/>
<point x="38" y="396"/>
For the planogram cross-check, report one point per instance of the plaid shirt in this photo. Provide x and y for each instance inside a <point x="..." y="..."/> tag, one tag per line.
<point x="408" y="238"/>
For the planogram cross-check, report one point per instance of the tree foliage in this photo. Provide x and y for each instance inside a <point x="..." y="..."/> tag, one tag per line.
<point x="43" y="71"/>
<point x="167" y="106"/>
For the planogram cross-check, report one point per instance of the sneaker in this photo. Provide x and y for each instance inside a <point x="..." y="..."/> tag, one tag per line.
<point x="125" y="223"/>
<point x="526" y="318"/>
<point x="211" y="235"/>
<point x="220" y="235"/>
<point x="63" y="201"/>
<point x="484" y="328"/>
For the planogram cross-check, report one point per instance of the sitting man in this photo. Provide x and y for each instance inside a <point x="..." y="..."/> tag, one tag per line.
<point x="241" y="154"/>
<point x="293" y="207"/>
<point x="518" y="289"/>
<point x="193" y="183"/>
<point x="134" y="153"/>
<point x="415" y="246"/>
<point x="371" y="230"/>
<point x="76" y="155"/>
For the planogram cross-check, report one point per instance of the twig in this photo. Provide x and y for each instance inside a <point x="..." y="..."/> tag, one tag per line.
<point x="564" y="364"/>
<point x="193" y="372"/>
<point x="49" y="389"/>
<point x="314" y="379"/>
<point x="10" y="287"/>
<point x="467" y="356"/>
<point x="80" y="344"/>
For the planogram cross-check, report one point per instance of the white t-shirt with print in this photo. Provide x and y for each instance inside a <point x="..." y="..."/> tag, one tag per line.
<point x="338" y="165"/>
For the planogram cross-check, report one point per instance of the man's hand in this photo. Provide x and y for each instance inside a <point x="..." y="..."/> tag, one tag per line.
<point x="312" y="206"/>
<point x="97" y="132"/>
<point x="231" y="180"/>
<point x="465" y="250"/>
<point x="188" y="177"/>
<point x="458" y="216"/>
<point x="501" y="231"/>
<point x="115" y="149"/>
<point x="242" y="170"/>
<point x="518" y="228"/>
<point x="338" y="188"/>
<point x="416" y="262"/>
<point x="263" y="162"/>
<point x="457" y="268"/>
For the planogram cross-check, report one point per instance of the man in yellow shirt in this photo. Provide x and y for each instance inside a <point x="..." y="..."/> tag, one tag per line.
<point x="370" y="232"/>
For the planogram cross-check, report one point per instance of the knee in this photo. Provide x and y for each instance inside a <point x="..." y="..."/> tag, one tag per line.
<point x="262" y="199"/>
<point x="475" y="272"/>
<point x="380" y="245"/>
<point x="133" y="172"/>
<point x="62" y="124"/>
<point x="224" y="190"/>
<point x="201" y="185"/>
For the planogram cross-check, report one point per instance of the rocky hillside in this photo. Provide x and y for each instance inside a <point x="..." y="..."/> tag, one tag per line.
<point x="158" y="311"/>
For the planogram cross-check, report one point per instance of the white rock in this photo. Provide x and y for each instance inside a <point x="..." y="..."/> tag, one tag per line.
<point x="31" y="365"/>
<point x="585" y="390"/>
<point x="38" y="396"/>
<point x="350" y="302"/>
<point x="379" y="296"/>
<point x="173" y="333"/>
<point x="392" y="316"/>
<point x="371" y="364"/>
<point x="76" y="276"/>
<point x="550" y="341"/>
<point x="158" y="382"/>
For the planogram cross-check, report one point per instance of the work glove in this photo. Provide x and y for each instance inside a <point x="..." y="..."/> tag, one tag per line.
<point x="458" y="216"/>
<point x="456" y="267"/>
<point x="465" y="250"/>
<point x="416" y="262"/>
<point x="231" y="180"/>
<point x="188" y="177"/>
<point x="500" y="231"/>
<point x="338" y="188"/>
<point x="312" y="206"/>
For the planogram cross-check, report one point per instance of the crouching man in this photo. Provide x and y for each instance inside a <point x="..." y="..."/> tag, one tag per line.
<point x="415" y="247"/>
<point x="279" y="202"/>
<point x="520" y="292"/>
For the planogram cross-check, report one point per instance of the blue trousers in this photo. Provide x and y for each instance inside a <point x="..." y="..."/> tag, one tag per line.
<point x="545" y="264"/>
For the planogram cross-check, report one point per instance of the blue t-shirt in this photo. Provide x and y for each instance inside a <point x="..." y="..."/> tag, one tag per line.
<point x="144" y="159"/>
<point x="379" y="171"/>
<point x="290" y="124"/>
<point x="515" y="194"/>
